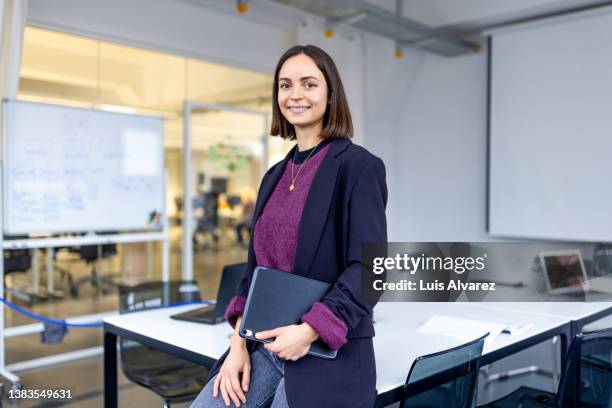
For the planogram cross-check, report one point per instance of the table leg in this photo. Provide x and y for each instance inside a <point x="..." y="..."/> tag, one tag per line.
<point x="50" y="283"/>
<point x="35" y="272"/>
<point x="565" y="337"/>
<point x="110" y="370"/>
<point x="149" y="259"/>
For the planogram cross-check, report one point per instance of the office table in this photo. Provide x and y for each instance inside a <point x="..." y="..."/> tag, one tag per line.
<point x="396" y="345"/>
<point x="579" y="313"/>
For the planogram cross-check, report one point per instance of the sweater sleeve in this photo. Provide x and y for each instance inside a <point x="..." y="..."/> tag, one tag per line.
<point x="235" y="309"/>
<point x="328" y="326"/>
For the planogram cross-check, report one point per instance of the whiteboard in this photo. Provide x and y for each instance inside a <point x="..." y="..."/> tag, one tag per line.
<point x="71" y="169"/>
<point x="550" y="131"/>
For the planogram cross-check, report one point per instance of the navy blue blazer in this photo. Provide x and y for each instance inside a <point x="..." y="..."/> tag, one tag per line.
<point x="344" y="208"/>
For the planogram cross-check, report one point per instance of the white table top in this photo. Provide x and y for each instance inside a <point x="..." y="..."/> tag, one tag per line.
<point x="601" y="292"/>
<point x="396" y="345"/>
<point x="204" y="339"/>
<point x="569" y="310"/>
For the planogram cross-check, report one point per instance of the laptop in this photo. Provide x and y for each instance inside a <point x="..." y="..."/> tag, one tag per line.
<point x="213" y="314"/>
<point x="565" y="274"/>
<point x="277" y="299"/>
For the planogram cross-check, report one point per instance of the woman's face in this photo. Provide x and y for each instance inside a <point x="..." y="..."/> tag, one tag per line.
<point x="302" y="92"/>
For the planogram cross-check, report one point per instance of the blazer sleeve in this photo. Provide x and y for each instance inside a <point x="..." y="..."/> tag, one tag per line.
<point x="238" y="302"/>
<point x="367" y="222"/>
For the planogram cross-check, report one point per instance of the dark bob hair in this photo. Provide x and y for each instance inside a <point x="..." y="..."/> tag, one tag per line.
<point x="337" y="123"/>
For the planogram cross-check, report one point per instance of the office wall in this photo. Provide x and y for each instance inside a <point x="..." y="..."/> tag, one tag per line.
<point x="426" y="116"/>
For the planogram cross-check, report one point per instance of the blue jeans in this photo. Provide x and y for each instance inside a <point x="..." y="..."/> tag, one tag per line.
<point x="267" y="384"/>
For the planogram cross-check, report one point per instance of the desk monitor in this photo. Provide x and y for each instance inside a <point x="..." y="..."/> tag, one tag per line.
<point x="564" y="272"/>
<point x="218" y="185"/>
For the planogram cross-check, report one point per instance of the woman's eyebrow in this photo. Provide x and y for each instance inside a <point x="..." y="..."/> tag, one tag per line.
<point x="301" y="79"/>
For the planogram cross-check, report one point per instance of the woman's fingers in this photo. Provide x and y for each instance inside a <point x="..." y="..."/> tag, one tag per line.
<point x="230" y="390"/>
<point x="246" y="376"/>
<point x="216" y="386"/>
<point x="266" y="334"/>
<point x="237" y="389"/>
<point x="224" y="392"/>
<point x="271" y="346"/>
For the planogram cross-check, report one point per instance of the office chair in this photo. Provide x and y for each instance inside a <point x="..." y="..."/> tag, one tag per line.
<point x="586" y="381"/>
<point x="209" y="222"/>
<point x="17" y="261"/>
<point x="172" y="378"/>
<point x="91" y="254"/>
<point x="445" y="379"/>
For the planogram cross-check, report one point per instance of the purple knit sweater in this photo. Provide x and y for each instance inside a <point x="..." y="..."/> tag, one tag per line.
<point x="275" y="241"/>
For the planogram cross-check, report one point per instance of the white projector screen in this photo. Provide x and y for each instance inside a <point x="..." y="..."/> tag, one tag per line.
<point x="550" y="130"/>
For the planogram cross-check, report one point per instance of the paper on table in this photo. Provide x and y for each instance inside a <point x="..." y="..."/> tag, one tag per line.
<point x="461" y="328"/>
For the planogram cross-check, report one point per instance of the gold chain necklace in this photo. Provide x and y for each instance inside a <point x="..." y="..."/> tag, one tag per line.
<point x="293" y="179"/>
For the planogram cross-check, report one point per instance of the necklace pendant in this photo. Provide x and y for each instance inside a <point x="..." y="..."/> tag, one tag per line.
<point x="291" y="187"/>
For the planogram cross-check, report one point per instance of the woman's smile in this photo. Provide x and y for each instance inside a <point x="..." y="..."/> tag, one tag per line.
<point x="298" y="109"/>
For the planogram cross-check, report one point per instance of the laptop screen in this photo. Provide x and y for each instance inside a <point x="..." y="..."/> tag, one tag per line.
<point x="564" y="270"/>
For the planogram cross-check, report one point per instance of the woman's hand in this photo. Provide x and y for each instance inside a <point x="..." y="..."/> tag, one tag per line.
<point x="290" y="342"/>
<point x="227" y="380"/>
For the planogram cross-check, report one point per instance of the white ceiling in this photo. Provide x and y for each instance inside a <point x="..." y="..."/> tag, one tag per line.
<point x="460" y="15"/>
<point x="438" y="13"/>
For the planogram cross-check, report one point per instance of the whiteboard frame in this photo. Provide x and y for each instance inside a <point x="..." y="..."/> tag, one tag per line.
<point x="4" y="142"/>
<point x="188" y="107"/>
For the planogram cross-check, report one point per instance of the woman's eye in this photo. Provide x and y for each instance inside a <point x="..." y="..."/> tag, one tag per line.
<point x="284" y="85"/>
<point x="309" y="85"/>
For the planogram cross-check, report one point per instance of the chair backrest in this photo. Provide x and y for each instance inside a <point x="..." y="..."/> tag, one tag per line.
<point x="17" y="260"/>
<point x="211" y="208"/>
<point x="91" y="253"/>
<point x="587" y="377"/>
<point x="152" y="295"/>
<point x="445" y="379"/>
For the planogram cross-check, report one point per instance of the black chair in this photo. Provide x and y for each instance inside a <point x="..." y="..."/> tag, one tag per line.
<point x="208" y="224"/>
<point x="446" y="379"/>
<point x="172" y="378"/>
<point x="91" y="254"/>
<point x="586" y="381"/>
<point x="17" y="261"/>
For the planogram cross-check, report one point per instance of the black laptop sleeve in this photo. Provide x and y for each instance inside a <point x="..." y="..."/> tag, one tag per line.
<point x="277" y="299"/>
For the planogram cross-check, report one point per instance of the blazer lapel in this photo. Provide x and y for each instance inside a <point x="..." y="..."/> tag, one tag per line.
<point x="316" y="209"/>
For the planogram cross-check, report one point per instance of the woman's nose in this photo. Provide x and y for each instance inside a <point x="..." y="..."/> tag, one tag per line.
<point x="295" y="94"/>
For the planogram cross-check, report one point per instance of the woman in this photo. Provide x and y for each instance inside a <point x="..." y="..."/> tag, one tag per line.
<point x="314" y="210"/>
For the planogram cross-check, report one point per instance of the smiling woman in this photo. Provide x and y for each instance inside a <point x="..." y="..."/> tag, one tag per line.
<point x="314" y="210"/>
<point x="302" y="99"/>
<point x="306" y="81"/>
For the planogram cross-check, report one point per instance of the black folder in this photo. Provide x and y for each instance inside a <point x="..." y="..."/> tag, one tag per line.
<point x="277" y="299"/>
